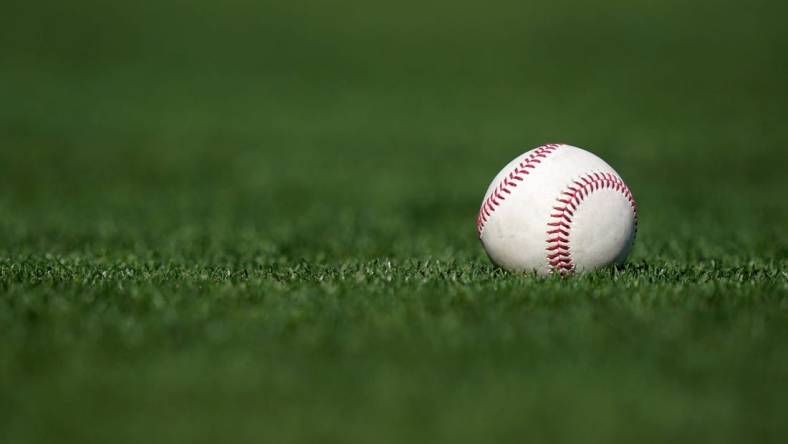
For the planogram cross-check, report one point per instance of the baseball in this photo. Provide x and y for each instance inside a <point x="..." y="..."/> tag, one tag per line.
<point x="557" y="209"/>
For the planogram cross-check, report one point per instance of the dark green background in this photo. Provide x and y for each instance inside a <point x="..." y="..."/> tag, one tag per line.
<point x="254" y="222"/>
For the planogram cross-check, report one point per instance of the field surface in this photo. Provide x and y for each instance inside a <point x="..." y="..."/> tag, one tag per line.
<point x="243" y="221"/>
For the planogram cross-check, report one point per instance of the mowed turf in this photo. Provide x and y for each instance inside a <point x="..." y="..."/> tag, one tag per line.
<point x="245" y="222"/>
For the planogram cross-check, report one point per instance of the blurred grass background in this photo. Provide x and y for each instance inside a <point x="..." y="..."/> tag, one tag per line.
<point x="250" y="220"/>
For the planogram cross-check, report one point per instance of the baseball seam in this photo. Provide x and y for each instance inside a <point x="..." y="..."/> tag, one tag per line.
<point x="559" y="227"/>
<point x="510" y="181"/>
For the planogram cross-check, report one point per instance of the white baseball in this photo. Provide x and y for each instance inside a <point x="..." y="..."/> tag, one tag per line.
<point x="557" y="208"/>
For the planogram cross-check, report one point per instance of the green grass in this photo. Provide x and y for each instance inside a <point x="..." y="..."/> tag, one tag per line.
<point x="243" y="222"/>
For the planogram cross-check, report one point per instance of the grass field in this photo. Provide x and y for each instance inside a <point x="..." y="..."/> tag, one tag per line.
<point x="249" y="222"/>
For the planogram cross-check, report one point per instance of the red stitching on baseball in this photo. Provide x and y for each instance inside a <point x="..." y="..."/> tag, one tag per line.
<point x="559" y="256"/>
<point x="505" y="186"/>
